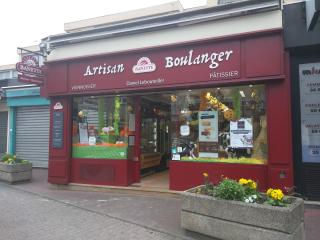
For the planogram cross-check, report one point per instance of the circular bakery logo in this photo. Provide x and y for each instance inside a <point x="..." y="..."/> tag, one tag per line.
<point x="144" y="65"/>
<point x="30" y="60"/>
<point x="58" y="106"/>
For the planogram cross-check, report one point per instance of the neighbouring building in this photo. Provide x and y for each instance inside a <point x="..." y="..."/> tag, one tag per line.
<point x="190" y="91"/>
<point x="27" y="115"/>
<point x="8" y="76"/>
<point x="304" y="49"/>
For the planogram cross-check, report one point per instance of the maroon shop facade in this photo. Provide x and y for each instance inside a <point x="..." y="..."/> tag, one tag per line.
<point x="248" y="59"/>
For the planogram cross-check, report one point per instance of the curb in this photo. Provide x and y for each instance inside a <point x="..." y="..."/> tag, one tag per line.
<point x="312" y="203"/>
<point x="123" y="190"/>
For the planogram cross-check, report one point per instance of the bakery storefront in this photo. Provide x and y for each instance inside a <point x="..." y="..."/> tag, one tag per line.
<point x="220" y="106"/>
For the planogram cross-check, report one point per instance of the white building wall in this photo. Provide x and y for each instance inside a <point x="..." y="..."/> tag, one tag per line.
<point x="225" y="27"/>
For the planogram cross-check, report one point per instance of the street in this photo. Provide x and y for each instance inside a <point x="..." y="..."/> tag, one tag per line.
<point x="36" y="210"/>
<point x="28" y="216"/>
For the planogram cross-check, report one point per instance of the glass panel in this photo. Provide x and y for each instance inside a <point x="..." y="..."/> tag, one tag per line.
<point x="101" y="127"/>
<point x="149" y="140"/>
<point x="226" y="124"/>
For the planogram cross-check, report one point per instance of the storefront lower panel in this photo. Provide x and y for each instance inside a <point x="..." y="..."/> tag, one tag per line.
<point x="184" y="175"/>
<point x="58" y="171"/>
<point x="101" y="171"/>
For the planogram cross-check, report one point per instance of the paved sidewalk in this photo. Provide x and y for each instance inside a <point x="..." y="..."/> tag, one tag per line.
<point x="157" y="213"/>
<point x="30" y="217"/>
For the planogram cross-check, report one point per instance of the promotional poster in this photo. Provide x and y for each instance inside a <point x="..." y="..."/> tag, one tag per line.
<point x="310" y="111"/>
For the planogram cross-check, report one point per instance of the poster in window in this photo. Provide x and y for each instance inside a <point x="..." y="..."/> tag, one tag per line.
<point x="309" y="75"/>
<point x="241" y="133"/>
<point x="208" y="126"/>
<point x="83" y="133"/>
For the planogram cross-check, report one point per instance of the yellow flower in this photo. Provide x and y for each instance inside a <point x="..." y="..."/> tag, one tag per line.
<point x="205" y="174"/>
<point x="243" y="181"/>
<point x="248" y="182"/>
<point x="269" y="191"/>
<point x="280" y="194"/>
<point x="253" y="185"/>
<point x="275" y="194"/>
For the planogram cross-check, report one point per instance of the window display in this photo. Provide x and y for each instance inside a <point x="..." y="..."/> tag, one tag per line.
<point x="102" y="126"/>
<point x="220" y="125"/>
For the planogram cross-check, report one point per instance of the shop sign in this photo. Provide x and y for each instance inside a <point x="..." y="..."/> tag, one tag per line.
<point x="58" y="106"/>
<point x="310" y="111"/>
<point x="191" y="64"/>
<point x="212" y="59"/>
<point x="29" y="70"/>
<point x="144" y="65"/>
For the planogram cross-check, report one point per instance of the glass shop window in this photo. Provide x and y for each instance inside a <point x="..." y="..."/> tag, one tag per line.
<point x="103" y="127"/>
<point x="227" y="124"/>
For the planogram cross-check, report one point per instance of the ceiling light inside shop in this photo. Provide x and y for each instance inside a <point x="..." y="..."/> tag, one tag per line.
<point x="242" y="94"/>
<point x="189" y="90"/>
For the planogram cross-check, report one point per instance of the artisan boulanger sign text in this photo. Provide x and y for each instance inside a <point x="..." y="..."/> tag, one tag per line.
<point x="213" y="59"/>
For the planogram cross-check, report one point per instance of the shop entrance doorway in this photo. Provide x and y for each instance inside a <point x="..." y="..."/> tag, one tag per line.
<point x="155" y="140"/>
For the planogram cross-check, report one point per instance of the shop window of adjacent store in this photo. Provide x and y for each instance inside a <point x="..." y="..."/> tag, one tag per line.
<point x="227" y="124"/>
<point x="103" y="127"/>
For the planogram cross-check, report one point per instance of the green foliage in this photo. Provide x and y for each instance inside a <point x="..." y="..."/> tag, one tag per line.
<point x="275" y="202"/>
<point x="12" y="159"/>
<point x="116" y="115"/>
<point x="101" y="111"/>
<point x="236" y="99"/>
<point x="250" y="191"/>
<point x="245" y="190"/>
<point x="230" y="190"/>
<point x="208" y="189"/>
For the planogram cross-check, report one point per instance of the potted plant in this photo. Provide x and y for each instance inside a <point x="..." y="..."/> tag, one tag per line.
<point x="237" y="210"/>
<point x="14" y="169"/>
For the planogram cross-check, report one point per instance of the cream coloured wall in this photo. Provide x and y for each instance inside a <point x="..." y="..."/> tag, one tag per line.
<point x="92" y="23"/>
<point x="225" y="27"/>
<point x="3" y="107"/>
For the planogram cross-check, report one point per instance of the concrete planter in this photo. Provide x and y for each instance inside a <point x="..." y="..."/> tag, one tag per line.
<point x="15" y="172"/>
<point x="229" y="220"/>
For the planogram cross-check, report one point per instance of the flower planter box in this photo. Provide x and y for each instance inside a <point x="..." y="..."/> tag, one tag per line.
<point x="15" y="172"/>
<point x="225" y="219"/>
